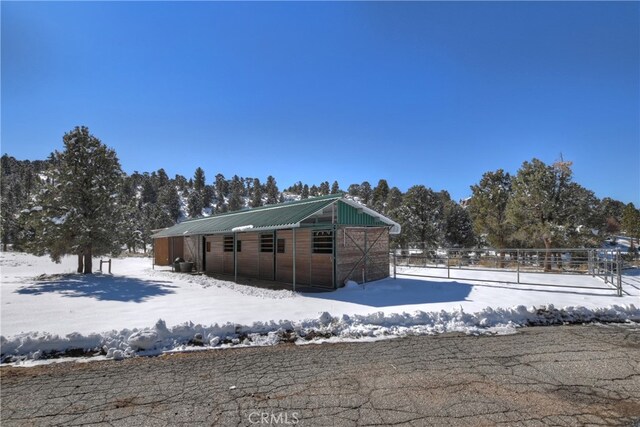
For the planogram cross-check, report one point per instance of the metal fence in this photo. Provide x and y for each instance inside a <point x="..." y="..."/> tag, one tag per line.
<point x="523" y="266"/>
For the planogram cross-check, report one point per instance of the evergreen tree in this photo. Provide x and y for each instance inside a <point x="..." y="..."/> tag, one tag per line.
<point x="305" y="192"/>
<point x="488" y="208"/>
<point x="313" y="191"/>
<point x="631" y="224"/>
<point x="222" y="187"/>
<point x="379" y="197"/>
<point x="536" y="207"/>
<point x="76" y="212"/>
<point x="199" y="180"/>
<point x="256" y="199"/>
<point x="324" y="188"/>
<point x="365" y="192"/>
<point x="169" y="201"/>
<point x="421" y="217"/>
<point x="394" y="200"/>
<point x="458" y="227"/>
<point x="235" y="199"/>
<point x="354" y="190"/>
<point x="335" y="188"/>
<point x="195" y="204"/>
<point x="271" y="190"/>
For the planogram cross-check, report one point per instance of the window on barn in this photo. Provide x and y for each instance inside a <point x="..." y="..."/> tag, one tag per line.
<point x="208" y="246"/>
<point x="280" y="246"/>
<point x="266" y="243"/>
<point x="238" y="245"/>
<point x="323" y="242"/>
<point x="228" y="243"/>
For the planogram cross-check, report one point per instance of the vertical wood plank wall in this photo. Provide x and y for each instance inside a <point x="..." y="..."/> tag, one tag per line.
<point x="284" y="261"/>
<point x="351" y="247"/>
<point x="161" y="251"/>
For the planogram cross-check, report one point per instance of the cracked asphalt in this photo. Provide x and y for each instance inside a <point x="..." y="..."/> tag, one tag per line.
<point x="564" y="375"/>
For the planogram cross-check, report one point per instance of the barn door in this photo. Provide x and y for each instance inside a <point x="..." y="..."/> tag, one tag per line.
<point x="321" y="260"/>
<point x="363" y="255"/>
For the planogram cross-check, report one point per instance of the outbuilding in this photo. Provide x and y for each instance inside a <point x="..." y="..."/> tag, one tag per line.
<point x="321" y="241"/>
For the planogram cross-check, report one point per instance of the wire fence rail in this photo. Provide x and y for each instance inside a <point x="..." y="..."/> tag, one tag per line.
<point x="522" y="266"/>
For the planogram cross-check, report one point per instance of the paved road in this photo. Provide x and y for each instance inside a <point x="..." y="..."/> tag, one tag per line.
<point x="568" y="375"/>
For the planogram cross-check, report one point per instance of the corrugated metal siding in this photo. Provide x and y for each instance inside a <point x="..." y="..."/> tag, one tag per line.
<point x="348" y="215"/>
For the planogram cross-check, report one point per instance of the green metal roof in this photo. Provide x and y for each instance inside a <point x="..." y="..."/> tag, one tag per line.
<point x="282" y="215"/>
<point x="270" y="217"/>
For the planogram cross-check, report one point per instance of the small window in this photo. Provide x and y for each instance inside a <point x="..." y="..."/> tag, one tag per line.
<point x="266" y="243"/>
<point x="238" y="245"/>
<point x="280" y="246"/>
<point x="228" y="243"/>
<point x="323" y="242"/>
<point x="208" y="246"/>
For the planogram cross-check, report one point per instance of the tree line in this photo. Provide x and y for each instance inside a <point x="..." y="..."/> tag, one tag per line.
<point x="80" y="202"/>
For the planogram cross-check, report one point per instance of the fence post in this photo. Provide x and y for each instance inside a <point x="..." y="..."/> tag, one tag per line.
<point x="619" y="268"/>
<point x="448" y="270"/>
<point x="518" y="263"/>
<point x="394" y="264"/>
<point x="109" y="265"/>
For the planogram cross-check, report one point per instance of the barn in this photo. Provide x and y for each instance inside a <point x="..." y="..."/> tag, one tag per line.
<point x="320" y="242"/>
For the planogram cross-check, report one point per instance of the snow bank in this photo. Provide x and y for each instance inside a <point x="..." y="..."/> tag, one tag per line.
<point x="159" y="338"/>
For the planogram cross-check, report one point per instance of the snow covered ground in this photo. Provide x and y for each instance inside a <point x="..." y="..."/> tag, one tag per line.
<point x="137" y="310"/>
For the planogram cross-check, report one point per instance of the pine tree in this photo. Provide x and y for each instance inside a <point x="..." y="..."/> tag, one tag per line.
<point x="421" y="217"/>
<point x="199" y="180"/>
<point x="305" y="192"/>
<point x="77" y="213"/>
<point x="537" y="205"/>
<point x="271" y="190"/>
<point x="195" y="204"/>
<point x="354" y="190"/>
<point x="235" y="199"/>
<point x="324" y="188"/>
<point x="169" y="201"/>
<point x="256" y="199"/>
<point x="631" y="224"/>
<point x="335" y="188"/>
<point x="313" y="191"/>
<point x="365" y="192"/>
<point x="458" y="227"/>
<point x="394" y="199"/>
<point x="379" y="197"/>
<point x="488" y="208"/>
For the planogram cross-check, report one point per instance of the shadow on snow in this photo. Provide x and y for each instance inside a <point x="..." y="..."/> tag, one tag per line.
<point x="100" y="287"/>
<point x="390" y="292"/>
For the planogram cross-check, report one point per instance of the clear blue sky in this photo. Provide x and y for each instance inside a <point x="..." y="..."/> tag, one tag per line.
<point x="414" y="92"/>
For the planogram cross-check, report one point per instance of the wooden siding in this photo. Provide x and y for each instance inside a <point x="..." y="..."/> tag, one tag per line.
<point x="248" y="264"/>
<point x="351" y="245"/>
<point x="214" y="258"/>
<point x="266" y="261"/>
<point x="161" y="251"/>
<point x="284" y="261"/>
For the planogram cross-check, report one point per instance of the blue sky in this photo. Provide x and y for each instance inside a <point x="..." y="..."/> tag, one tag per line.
<point x="414" y="92"/>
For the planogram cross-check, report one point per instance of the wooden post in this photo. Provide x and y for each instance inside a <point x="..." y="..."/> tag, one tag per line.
<point x="294" y="259"/>
<point x="448" y="270"/>
<point x="518" y="264"/>
<point x="394" y="264"/>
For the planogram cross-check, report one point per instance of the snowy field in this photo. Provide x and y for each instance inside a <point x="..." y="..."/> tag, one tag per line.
<point x="46" y="308"/>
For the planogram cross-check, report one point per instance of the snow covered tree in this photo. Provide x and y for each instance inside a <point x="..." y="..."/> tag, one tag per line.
<point x="78" y="211"/>
<point x="272" y="190"/>
<point x="394" y="200"/>
<point x="235" y="199"/>
<point x="379" y="197"/>
<point x="195" y="204"/>
<point x="488" y="208"/>
<point x="256" y="197"/>
<point x="421" y="217"/>
<point x="169" y="201"/>
<point x="365" y="192"/>
<point x="537" y="206"/>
